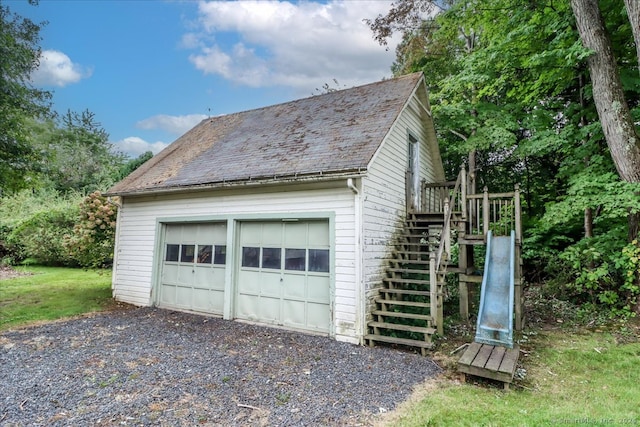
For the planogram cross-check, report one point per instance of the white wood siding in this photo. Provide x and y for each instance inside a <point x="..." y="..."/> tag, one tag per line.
<point x="384" y="188"/>
<point x="137" y="238"/>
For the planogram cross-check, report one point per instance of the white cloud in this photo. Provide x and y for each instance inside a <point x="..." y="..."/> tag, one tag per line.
<point x="57" y="69"/>
<point x="173" y="124"/>
<point x="134" y="146"/>
<point x="301" y="45"/>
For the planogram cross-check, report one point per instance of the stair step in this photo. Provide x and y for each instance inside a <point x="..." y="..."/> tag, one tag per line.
<point x="403" y="303"/>
<point x="401" y="261"/>
<point x="400" y="327"/>
<point x="407" y="270"/>
<point x="406" y="292"/>
<point x="414" y="316"/>
<point x="418" y="236"/>
<point x="405" y="281"/>
<point x="401" y="341"/>
<point x="402" y="252"/>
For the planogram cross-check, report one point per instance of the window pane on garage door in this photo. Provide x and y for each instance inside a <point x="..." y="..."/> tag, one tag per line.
<point x="189" y="280"/>
<point x="293" y="291"/>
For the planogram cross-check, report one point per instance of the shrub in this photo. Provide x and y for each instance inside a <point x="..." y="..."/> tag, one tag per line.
<point x="92" y="240"/>
<point x="41" y="236"/>
<point x="32" y="225"/>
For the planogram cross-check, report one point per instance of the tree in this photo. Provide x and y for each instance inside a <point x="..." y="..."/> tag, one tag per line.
<point x="19" y="100"/>
<point x="510" y="80"/>
<point x="77" y="152"/>
<point x="608" y="94"/>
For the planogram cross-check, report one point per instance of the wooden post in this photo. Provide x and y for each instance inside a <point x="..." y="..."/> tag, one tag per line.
<point x="518" y="259"/>
<point x="463" y="193"/>
<point x="485" y="211"/>
<point x="423" y="195"/>
<point x="433" y="288"/>
<point x="446" y="230"/>
<point x="463" y="289"/>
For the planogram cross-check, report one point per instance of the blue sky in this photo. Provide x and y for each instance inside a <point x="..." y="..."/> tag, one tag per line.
<point x="151" y="70"/>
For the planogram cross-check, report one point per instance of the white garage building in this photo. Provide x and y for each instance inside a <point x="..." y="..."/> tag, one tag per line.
<point x="283" y="215"/>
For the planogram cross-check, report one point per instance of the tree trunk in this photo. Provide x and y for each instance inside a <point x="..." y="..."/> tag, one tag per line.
<point x="613" y="111"/>
<point x="633" y="11"/>
<point x="588" y="223"/>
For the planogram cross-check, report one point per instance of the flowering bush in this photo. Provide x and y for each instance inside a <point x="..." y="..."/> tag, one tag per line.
<point x="91" y="244"/>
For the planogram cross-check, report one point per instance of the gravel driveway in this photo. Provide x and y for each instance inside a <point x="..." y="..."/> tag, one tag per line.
<point x="146" y="366"/>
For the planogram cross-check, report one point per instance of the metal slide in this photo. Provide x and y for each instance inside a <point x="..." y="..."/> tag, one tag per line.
<point x="495" y="317"/>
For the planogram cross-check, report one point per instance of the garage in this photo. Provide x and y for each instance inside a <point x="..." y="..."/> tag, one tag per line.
<point x="193" y="267"/>
<point x="284" y="274"/>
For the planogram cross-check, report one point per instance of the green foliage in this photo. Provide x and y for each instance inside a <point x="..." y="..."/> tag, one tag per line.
<point x="93" y="238"/>
<point x="40" y="236"/>
<point x="509" y="82"/>
<point x="19" y="101"/>
<point x="133" y="164"/>
<point x="78" y="155"/>
<point x="32" y="225"/>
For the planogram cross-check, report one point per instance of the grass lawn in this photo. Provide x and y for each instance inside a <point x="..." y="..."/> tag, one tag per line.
<point x="51" y="293"/>
<point x="573" y="377"/>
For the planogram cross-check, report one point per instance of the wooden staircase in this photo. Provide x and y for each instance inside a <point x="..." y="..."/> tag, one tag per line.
<point x="406" y="305"/>
<point x="409" y="305"/>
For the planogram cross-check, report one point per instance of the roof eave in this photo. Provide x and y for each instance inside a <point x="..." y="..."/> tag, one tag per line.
<point x="250" y="182"/>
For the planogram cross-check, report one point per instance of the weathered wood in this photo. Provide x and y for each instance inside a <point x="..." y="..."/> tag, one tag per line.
<point x="483" y="356"/>
<point x="509" y="361"/>
<point x="402" y="315"/>
<point x="495" y="360"/>
<point x="408" y="270"/>
<point x="403" y="303"/>
<point x="401" y="327"/>
<point x="405" y="281"/>
<point x="473" y="278"/>
<point x="406" y="292"/>
<point x="470" y="353"/>
<point x="488" y="361"/>
<point x="401" y="341"/>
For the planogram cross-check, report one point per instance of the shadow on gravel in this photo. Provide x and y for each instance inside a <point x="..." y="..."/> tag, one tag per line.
<point x="147" y="366"/>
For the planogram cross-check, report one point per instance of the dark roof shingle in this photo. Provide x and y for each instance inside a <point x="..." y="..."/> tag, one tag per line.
<point x="331" y="133"/>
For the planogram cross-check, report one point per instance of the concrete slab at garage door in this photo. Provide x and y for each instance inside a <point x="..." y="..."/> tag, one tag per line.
<point x="283" y="274"/>
<point x="193" y="267"/>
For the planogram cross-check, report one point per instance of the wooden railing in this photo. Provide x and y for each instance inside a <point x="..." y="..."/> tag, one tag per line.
<point x="498" y="212"/>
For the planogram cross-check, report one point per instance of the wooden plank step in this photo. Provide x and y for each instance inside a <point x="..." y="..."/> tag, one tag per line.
<point x="408" y="270"/>
<point x="400" y="327"/>
<point x="409" y="261"/>
<point x="403" y="303"/>
<point x="401" y="341"/>
<point x="406" y="281"/>
<point x="405" y="292"/>
<point x="402" y="315"/>
<point x="404" y="252"/>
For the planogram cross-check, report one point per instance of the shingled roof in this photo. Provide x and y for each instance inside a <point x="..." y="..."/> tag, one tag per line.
<point x="324" y="135"/>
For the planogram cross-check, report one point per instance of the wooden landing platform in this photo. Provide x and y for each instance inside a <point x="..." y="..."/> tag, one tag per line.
<point x="490" y="361"/>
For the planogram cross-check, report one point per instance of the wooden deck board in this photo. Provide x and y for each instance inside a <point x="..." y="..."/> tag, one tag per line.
<point x="494" y="362"/>
<point x="509" y="362"/>
<point x="470" y="353"/>
<point x="482" y="357"/>
<point x="488" y="361"/>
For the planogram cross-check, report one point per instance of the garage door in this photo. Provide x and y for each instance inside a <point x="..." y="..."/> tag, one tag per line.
<point x="193" y="267"/>
<point x="283" y="276"/>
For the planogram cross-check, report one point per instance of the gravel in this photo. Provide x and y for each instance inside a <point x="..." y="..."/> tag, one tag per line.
<point x="146" y="366"/>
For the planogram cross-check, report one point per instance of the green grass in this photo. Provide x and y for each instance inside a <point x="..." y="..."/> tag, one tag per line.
<point x="572" y="379"/>
<point x="52" y="293"/>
